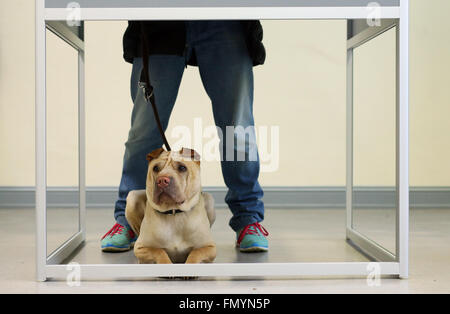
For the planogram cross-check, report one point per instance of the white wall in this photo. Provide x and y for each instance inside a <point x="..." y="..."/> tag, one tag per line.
<point x="17" y="93"/>
<point x="301" y="89"/>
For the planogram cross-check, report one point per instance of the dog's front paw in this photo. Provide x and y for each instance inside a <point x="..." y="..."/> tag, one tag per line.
<point x="193" y="260"/>
<point x="205" y="254"/>
<point x="147" y="255"/>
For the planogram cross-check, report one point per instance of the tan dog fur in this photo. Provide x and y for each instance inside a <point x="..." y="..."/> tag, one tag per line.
<point x="181" y="238"/>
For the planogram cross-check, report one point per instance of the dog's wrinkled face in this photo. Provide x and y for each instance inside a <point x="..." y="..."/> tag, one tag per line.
<point x="173" y="179"/>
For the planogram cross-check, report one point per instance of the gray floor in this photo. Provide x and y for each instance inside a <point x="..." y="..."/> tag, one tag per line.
<point x="295" y="236"/>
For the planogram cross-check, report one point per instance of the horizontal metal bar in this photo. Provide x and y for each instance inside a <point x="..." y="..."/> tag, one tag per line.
<point x="127" y="271"/>
<point x="65" y="34"/>
<point x="233" y="13"/>
<point x="216" y="3"/>
<point x="66" y="249"/>
<point x="370" y="33"/>
<point x="369" y="247"/>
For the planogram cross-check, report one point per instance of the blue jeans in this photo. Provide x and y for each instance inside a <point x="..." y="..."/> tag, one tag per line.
<point x="226" y="72"/>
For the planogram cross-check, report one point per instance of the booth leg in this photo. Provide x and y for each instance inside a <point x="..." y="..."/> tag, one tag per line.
<point x="82" y="144"/>
<point x="403" y="138"/>
<point x="349" y="141"/>
<point x="41" y="145"/>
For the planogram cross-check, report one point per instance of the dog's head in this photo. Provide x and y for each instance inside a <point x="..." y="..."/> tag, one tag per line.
<point x="173" y="179"/>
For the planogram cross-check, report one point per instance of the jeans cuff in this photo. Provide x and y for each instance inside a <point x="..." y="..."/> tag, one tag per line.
<point x="122" y="221"/>
<point x="238" y="223"/>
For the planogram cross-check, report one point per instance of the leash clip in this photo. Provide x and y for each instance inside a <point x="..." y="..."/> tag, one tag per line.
<point x="148" y="92"/>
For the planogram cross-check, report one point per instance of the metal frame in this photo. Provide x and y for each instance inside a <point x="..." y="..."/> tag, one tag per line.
<point x="393" y="13"/>
<point x="363" y="243"/>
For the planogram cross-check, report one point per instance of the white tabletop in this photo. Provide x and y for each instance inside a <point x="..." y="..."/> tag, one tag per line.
<point x="217" y="3"/>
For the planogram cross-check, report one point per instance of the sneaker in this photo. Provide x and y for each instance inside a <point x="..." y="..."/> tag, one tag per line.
<point x="252" y="238"/>
<point x="118" y="239"/>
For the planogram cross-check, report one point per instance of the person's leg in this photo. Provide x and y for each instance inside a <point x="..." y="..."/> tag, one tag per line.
<point x="166" y="72"/>
<point x="226" y="71"/>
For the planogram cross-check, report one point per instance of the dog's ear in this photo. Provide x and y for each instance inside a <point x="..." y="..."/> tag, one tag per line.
<point x="154" y="154"/>
<point x="190" y="154"/>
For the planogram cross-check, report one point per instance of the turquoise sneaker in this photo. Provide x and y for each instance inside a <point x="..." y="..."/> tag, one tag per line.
<point x="118" y="239"/>
<point x="252" y="238"/>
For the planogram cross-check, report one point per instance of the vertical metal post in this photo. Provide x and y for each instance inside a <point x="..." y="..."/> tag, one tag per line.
<point x="82" y="144"/>
<point x="349" y="140"/>
<point x="403" y="138"/>
<point x="41" y="144"/>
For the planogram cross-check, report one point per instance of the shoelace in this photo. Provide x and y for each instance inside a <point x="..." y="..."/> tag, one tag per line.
<point x="252" y="229"/>
<point x="117" y="228"/>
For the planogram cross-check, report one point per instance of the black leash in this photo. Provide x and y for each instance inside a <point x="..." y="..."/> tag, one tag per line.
<point x="147" y="86"/>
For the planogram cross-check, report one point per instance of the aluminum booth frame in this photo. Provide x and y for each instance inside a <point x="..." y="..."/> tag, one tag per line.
<point x="52" y="14"/>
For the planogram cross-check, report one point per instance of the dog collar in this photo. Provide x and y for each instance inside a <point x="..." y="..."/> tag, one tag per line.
<point x="171" y="212"/>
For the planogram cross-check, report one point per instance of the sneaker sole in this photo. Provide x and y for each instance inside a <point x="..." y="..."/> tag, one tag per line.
<point x="254" y="249"/>
<point x="112" y="249"/>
